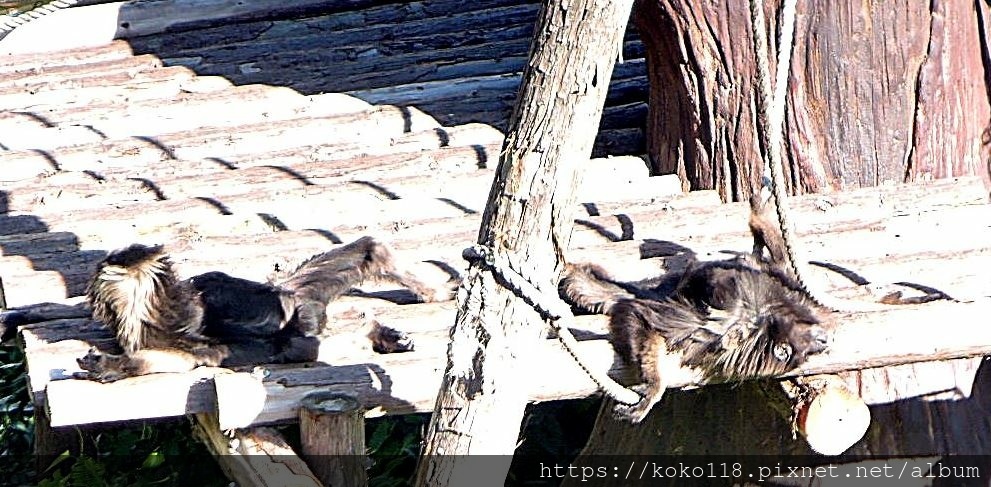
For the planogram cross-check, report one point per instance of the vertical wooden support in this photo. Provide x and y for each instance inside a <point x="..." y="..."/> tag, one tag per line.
<point x="332" y="431"/>
<point x="50" y="442"/>
<point x="528" y="218"/>
<point x="253" y="457"/>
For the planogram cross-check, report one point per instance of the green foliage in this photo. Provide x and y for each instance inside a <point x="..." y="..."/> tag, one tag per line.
<point x="393" y="444"/>
<point x="146" y="455"/>
<point x="16" y="417"/>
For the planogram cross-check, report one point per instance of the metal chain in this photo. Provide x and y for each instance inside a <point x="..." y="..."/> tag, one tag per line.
<point x="553" y="309"/>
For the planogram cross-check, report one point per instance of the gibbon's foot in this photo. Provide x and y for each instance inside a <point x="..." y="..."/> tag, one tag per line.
<point x="894" y="294"/>
<point x="100" y="367"/>
<point x="110" y="367"/>
<point x="634" y="413"/>
<point x="389" y="340"/>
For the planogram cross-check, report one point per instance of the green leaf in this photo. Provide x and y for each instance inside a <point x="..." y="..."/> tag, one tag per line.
<point x="153" y="460"/>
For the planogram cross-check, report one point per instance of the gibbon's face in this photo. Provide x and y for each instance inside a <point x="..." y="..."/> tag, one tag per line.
<point x="795" y="339"/>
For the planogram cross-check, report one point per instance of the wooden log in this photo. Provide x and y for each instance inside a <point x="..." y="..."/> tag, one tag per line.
<point x="848" y="234"/>
<point x="108" y="116"/>
<point x="62" y="73"/>
<point x="376" y="66"/>
<point x="274" y="105"/>
<point x="826" y="413"/>
<point x="177" y="80"/>
<point x="450" y="148"/>
<point x="396" y="383"/>
<point x="432" y="93"/>
<point x="298" y="35"/>
<point x="332" y="433"/>
<point x="116" y="51"/>
<point x="82" y="90"/>
<point x="368" y="128"/>
<point x="253" y="457"/>
<point x="291" y="189"/>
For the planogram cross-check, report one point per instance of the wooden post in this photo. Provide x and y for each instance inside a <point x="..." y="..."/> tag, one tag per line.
<point x="529" y="216"/>
<point x="253" y="457"/>
<point x="50" y="442"/>
<point x="332" y="431"/>
<point x="829" y="416"/>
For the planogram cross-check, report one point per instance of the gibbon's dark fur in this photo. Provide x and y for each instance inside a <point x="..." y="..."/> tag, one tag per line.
<point x="732" y="319"/>
<point x="165" y="324"/>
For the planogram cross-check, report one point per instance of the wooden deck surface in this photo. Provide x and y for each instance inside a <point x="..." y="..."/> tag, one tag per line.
<point x="241" y="160"/>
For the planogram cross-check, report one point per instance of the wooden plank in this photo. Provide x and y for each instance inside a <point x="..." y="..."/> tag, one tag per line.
<point x="116" y="51"/>
<point x="174" y="82"/>
<point x="448" y="148"/>
<point x="253" y="457"/>
<point x="337" y="184"/>
<point x="852" y="233"/>
<point x="396" y="383"/>
<point x="65" y="72"/>
<point x="371" y="128"/>
<point x="121" y="20"/>
<point x="77" y="91"/>
<point x="38" y="128"/>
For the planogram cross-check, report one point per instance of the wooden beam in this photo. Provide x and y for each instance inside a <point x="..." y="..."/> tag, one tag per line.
<point x="256" y="457"/>
<point x="399" y="383"/>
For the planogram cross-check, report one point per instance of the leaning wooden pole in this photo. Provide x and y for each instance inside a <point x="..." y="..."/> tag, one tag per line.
<point x="528" y="218"/>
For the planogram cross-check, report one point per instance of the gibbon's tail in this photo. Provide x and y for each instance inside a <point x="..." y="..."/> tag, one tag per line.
<point x="135" y="288"/>
<point x="590" y="288"/>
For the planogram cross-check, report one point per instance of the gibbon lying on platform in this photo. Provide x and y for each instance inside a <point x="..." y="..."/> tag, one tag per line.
<point x="732" y="319"/>
<point x="169" y="325"/>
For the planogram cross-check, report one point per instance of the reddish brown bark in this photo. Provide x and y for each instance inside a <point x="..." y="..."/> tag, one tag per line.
<point x="878" y="92"/>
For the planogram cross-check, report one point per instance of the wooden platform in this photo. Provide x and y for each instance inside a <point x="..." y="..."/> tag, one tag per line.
<point x="176" y="140"/>
<point x="885" y="242"/>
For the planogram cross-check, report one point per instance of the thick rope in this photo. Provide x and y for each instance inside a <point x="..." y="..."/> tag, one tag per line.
<point x="554" y="310"/>
<point x="10" y="22"/>
<point x="771" y="117"/>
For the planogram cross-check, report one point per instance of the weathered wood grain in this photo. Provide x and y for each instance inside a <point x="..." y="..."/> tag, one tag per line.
<point x="433" y="218"/>
<point x="863" y="109"/>
<point x="399" y="384"/>
<point x="253" y="457"/>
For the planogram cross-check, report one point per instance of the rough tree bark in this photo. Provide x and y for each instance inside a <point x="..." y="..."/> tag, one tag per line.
<point x="879" y="92"/>
<point x="528" y="216"/>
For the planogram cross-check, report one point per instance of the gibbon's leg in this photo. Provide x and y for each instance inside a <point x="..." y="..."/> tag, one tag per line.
<point x="590" y="288"/>
<point x="386" y="339"/>
<point x="324" y="277"/>
<point x="638" y="343"/>
<point x="385" y="266"/>
<point x="767" y="235"/>
<point x="109" y="367"/>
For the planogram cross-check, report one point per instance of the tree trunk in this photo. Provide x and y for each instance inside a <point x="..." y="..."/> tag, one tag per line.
<point x="529" y="215"/>
<point x="879" y="92"/>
